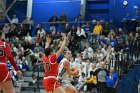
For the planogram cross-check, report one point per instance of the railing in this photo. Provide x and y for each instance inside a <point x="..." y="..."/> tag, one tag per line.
<point x="125" y="60"/>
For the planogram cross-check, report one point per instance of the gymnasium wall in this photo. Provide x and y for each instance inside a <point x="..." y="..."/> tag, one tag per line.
<point x="110" y="10"/>
<point x="44" y="9"/>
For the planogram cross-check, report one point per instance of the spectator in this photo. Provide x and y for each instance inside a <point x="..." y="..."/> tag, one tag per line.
<point x="67" y="28"/>
<point x="6" y="30"/>
<point x="80" y="33"/>
<point x="112" y="81"/>
<point x="24" y="64"/>
<point x="101" y="74"/>
<point x="87" y="29"/>
<point x="14" y="19"/>
<point x="79" y="20"/>
<point x="28" y="37"/>
<point x="54" y="19"/>
<point x="88" y="52"/>
<point x="97" y="30"/>
<point x="63" y="18"/>
<point x="40" y="30"/>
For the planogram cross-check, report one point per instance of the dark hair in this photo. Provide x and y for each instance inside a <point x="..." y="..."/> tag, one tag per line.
<point x="0" y="33"/>
<point x="47" y="51"/>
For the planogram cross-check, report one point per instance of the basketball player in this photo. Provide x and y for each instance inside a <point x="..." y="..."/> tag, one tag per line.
<point x="65" y="71"/>
<point x="51" y="66"/>
<point x="5" y="79"/>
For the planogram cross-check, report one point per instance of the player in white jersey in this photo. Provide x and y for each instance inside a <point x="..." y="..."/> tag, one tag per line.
<point x="65" y="71"/>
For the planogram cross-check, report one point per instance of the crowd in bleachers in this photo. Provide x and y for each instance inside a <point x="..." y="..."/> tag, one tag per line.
<point x="91" y="46"/>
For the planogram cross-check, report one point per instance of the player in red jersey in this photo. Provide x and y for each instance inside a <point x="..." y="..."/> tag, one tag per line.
<point x="5" y="79"/>
<point x="51" y="66"/>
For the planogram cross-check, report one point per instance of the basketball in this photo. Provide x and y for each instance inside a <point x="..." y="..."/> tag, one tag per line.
<point x="75" y="69"/>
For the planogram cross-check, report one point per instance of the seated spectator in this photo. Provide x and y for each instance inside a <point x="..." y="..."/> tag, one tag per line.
<point x="111" y="35"/>
<point x="38" y="46"/>
<point x="91" y="82"/>
<point x="89" y="51"/>
<point x="39" y="30"/>
<point x="66" y="28"/>
<point x="13" y="31"/>
<point x="81" y="82"/>
<point x="80" y="33"/>
<point x="6" y="30"/>
<point x="13" y="74"/>
<point x="14" y="19"/>
<point x="9" y="65"/>
<point x="37" y="53"/>
<point x="28" y="37"/>
<point x="100" y="56"/>
<point x="39" y="39"/>
<point x="18" y="62"/>
<point x="24" y="64"/>
<point x="21" y="31"/>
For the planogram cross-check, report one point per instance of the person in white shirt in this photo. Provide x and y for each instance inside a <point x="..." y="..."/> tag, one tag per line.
<point x="28" y="37"/>
<point x="100" y="56"/>
<point x="15" y="19"/>
<point x="88" y="52"/>
<point x="81" y="33"/>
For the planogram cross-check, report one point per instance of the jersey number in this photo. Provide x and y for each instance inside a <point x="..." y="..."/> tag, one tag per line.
<point x="47" y="68"/>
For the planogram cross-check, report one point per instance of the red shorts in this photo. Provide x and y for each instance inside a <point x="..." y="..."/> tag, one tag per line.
<point x="4" y="73"/>
<point x="50" y="84"/>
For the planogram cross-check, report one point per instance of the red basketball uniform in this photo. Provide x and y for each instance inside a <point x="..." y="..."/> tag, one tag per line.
<point x="51" y="71"/>
<point x="5" y="54"/>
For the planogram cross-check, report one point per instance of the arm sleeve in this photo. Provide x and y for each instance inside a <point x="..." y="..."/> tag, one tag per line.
<point x="10" y="57"/>
<point x="60" y="58"/>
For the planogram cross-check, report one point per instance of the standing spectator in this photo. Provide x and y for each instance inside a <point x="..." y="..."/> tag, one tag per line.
<point x="111" y="81"/>
<point x="87" y="29"/>
<point x="29" y="23"/>
<point x="14" y="19"/>
<point x="97" y="30"/>
<point x="63" y="18"/>
<point x="79" y="20"/>
<point x="101" y="74"/>
<point x="53" y="26"/>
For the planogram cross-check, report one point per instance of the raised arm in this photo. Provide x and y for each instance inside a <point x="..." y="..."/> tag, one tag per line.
<point x="62" y="46"/>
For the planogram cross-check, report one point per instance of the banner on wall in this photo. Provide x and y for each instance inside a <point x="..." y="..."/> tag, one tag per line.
<point x="2" y="8"/>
